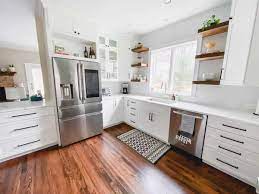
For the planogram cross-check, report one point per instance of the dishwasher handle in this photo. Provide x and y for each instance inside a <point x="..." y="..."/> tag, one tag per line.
<point x="194" y="116"/>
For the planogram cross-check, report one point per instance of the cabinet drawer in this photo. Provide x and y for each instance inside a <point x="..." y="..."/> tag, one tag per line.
<point x="45" y="123"/>
<point x="24" y="143"/>
<point x="234" y="139"/>
<point x="25" y="114"/>
<point x="234" y="167"/>
<point x="234" y="126"/>
<point x="231" y="150"/>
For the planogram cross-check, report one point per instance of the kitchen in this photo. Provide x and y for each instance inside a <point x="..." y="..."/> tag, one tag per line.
<point x="165" y="102"/>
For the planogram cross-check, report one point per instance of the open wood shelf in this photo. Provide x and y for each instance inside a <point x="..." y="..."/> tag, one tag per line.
<point x="7" y="73"/>
<point x="140" y="50"/>
<point x="139" y="65"/>
<point x="138" y="81"/>
<point x="215" y="29"/>
<point x="211" y="82"/>
<point x="210" y="56"/>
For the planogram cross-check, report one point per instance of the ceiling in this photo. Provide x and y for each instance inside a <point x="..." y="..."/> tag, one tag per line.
<point x="134" y="16"/>
<point x="111" y="16"/>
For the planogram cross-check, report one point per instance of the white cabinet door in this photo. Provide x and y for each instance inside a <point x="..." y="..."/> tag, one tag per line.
<point x="125" y="59"/>
<point x="118" y="110"/>
<point x="160" y="120"/>
<point x="238" y="42"/>
<point x="108" y="112"/>
<point x="155" y="120"/>
<point x="252" y="78"/>
<point x="145" y="123"/>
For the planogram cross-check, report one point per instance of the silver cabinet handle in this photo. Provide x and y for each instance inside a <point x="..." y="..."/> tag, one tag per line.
<point x="132" y="121"/>
<point x="228" y="138"/>
<point x="229" y="150"/>
<point x="22" y="115"/>
<point x="151" y="117"/>
<point x="132" y="114"/>
<point x="21" y="145"/>
<point x="20" y="129"/>
<point x="181" y="113"/>
<point x="234" y="127"/>
<point x="83" y="82"/>
<point x="236" y="167"/>
<point x="132" y="108"/>
<point x="133" y="102"/>
<point x="79" y="81"/>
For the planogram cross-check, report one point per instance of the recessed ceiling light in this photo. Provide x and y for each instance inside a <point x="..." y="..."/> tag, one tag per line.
<point x="167" y="1"/>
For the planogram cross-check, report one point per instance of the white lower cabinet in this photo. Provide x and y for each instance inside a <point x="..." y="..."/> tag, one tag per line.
<point x="232" y="146"/>
<point x="154" y="119"/>
<point x="112" y="111"/>
<point x="24" y="131"/>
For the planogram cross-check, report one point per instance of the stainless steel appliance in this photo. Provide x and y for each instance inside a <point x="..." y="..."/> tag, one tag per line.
<point x="187" y="131"/>
<point x="125" y="88"/>
<point x="79" y="99"/>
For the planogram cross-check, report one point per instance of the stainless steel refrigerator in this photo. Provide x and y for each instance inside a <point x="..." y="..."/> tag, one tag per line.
<point x="79" y="99"/>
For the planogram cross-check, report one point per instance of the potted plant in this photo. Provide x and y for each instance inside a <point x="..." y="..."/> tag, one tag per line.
<point x="11" y="68"/>
<point x="212" y="21"/>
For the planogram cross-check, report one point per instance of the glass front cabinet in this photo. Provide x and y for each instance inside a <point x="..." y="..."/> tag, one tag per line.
<point x="108" y="57"/>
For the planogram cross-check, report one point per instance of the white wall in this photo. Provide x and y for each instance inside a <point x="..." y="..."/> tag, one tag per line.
<point x="18" y="58"/>
<point x="186" y="30"/>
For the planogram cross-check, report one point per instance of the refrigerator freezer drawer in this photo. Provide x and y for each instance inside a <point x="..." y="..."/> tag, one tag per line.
<point x="80" y="127"/>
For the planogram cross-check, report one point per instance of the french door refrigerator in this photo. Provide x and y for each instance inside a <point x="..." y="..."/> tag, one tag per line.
<point x="79" y="99"/>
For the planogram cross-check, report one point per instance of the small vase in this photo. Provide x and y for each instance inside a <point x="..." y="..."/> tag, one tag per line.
<point x="11" y="69"/>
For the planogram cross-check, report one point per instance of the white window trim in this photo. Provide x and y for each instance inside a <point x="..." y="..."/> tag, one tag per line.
<point x="157" y="94"/>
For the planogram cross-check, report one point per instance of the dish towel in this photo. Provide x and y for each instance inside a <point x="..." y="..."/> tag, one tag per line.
<point x="187" y="124"/>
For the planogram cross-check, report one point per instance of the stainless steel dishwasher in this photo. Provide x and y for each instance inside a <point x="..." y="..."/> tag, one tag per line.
<point x="187" y="131"/>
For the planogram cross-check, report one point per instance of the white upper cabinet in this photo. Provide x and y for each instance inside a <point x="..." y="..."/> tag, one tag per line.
<point x="239" y="41"/>
<point x="74" y="26"/>
<point x="108" y="57"/>
<point x="253" y="62"/>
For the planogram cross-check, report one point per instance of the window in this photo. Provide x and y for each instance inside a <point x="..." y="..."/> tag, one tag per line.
<point x="172" y="69"/>
<point x="34" y="78"/>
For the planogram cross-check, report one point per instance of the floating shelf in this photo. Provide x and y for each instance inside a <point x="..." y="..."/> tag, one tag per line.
<point x="138" y="81"/>
<point x="140" y="50"/>
<point x="215" y="29"/>
<point x="210" y="56"/>
<point x="212" y="82"/>
<point x="7" y="73"/>
<point x="139" y="65"/>
<point x="73" y="57"/>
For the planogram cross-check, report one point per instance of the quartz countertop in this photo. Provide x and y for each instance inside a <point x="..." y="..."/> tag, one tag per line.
<point x="21" y="105"/>
<point x="240" y="115"/>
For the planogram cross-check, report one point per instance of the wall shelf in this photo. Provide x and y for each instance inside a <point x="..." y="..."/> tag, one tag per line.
<point x="74" y="57"/>
<point x="210" y="56"/>
<point x="210" y="82"/>
<point x="7" y="73"/>
<point x="140" y="50"/>
<point x="138" y="81"/>
<point x="213" y="30"/>
<point x="139" y="65"/>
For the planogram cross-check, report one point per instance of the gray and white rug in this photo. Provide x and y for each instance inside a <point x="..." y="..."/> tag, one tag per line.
<point x="150" y="148"/>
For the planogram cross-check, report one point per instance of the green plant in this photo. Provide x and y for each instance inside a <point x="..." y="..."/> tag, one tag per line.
<point x="213" y="20"/>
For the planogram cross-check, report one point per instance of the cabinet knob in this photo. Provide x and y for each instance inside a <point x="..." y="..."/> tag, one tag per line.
<point x="75" y="32"/>
<point x="78" y="33"/>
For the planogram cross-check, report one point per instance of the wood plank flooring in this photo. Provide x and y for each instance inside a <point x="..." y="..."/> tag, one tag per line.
<point x="105" y="165"/>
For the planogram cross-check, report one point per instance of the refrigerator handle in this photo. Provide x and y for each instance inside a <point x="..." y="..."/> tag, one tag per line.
<point x="83" y="82"/>
<point x="79" y="81"/>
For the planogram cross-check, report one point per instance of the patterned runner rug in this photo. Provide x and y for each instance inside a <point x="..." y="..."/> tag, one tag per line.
<point x="150" y="148"/>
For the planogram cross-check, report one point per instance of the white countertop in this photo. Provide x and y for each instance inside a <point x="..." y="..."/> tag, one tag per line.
<point x="239" y="115"/>
<point x="21" y="105"/>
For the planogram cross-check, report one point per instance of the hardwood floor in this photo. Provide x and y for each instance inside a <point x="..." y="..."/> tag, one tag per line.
<point x="105" y="165"/>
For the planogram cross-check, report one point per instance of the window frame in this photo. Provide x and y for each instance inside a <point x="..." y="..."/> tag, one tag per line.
<point x="169" y="92"/>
